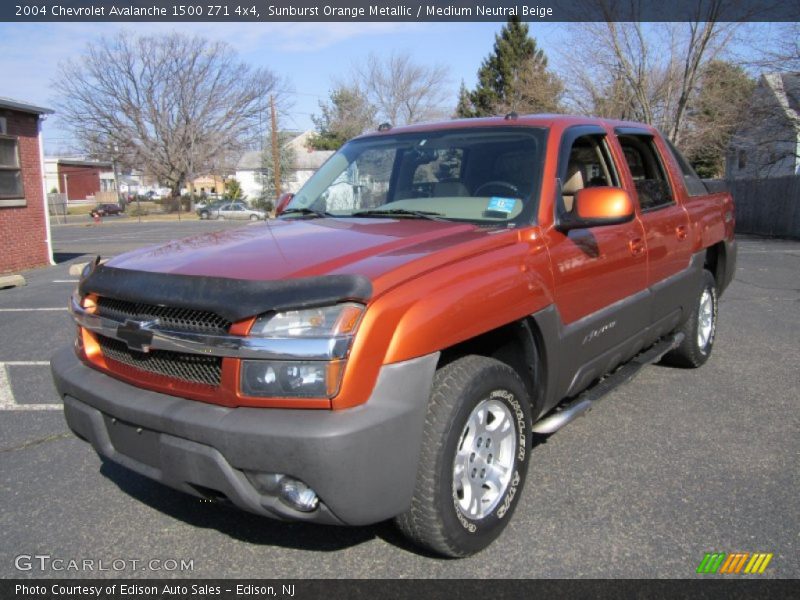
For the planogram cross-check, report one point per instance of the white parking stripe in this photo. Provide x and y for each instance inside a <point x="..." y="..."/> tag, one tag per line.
<point x="66" y="281"/>
<point x="29" y="309"/>
<point x="24" y="363"/>
<point x="7" y="401"/>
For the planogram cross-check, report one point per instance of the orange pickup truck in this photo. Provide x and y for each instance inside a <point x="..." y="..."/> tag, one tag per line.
<point x="430" y="300"/>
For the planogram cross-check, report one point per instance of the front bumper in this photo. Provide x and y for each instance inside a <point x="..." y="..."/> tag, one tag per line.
<point x="362" y="461"/>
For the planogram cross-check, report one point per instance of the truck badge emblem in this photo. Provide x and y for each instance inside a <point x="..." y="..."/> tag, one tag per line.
<point x="137" y="334"/>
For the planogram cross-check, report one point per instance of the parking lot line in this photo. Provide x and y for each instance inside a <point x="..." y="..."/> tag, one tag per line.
<point x="7" y="401"/>
<point x="24" y="363"/>
<point x="30" y="309"/>
<point x="66" y="281"/>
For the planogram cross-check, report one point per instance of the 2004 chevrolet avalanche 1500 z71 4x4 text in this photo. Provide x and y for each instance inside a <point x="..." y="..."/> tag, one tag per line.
<point x="431" y="298"/>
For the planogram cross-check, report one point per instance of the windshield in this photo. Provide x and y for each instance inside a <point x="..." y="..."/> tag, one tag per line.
<point x="487" y="175"/>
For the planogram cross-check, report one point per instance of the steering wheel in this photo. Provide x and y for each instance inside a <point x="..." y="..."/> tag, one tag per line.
<point x="499" y="184"/>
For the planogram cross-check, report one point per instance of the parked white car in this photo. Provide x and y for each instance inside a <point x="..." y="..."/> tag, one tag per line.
<point x="237" y="210"/>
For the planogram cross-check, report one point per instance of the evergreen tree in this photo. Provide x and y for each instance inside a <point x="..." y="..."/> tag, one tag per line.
<point x="716" y="112"/>
<point x="464" y="108"/>
<point x="346" y="115"/>
<point x="233" y="190"/>
<point x="513" y="77"/>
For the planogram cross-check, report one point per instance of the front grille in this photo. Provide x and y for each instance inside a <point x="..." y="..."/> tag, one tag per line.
<point x="193" y="368"/>
<point x="169" y="317"/>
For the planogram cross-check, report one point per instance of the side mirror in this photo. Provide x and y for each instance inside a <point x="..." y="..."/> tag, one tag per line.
<point x="598" y="206"/>
<point x="283" y="202"/>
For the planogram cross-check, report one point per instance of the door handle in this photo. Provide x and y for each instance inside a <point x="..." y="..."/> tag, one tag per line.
<point x="636" y="246"/>
<point x="681" y="232"/>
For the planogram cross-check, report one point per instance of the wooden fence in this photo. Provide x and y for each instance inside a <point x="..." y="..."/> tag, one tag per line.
<point x="769" y="207"/>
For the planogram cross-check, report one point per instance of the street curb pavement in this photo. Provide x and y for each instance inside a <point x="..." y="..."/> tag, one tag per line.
<point x="7" y="281"/>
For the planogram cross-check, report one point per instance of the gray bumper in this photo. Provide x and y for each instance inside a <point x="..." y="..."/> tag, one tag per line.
<point x="362" y="462"/>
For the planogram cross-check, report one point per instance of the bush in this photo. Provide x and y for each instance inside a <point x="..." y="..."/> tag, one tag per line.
<point x="135" y="211"/>
<point x="266" y="205"/>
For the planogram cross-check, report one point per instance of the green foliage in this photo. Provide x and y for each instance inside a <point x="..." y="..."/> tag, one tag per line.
<point x="716" y="112"/>
<point x="464" y="107"/>
<point x="233" y="189"/>
<point x="513" y="77"/>
<point x="347" y="114"/>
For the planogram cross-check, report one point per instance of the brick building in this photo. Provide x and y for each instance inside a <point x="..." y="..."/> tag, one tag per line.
<point x="24" y="225"/>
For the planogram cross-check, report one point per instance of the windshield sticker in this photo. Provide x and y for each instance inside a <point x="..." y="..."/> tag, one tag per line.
<point x="503" y="205"/>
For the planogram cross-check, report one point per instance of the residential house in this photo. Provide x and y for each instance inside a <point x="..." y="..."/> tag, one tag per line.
<point x="24" y="226"/>
<point x="305" y="162"/>
<point x="767" y="145"/>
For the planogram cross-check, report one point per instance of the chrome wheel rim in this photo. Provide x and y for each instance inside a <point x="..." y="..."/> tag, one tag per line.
<point x="484" y="459"/>
<point x="705" y="319"/>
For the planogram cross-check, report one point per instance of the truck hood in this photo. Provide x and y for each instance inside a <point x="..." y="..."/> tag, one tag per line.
<point x="384" y="250"/>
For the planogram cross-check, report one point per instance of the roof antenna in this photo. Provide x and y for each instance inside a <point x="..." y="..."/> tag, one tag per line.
<point x="512" y="116"/>
<point x="384" y="127"/>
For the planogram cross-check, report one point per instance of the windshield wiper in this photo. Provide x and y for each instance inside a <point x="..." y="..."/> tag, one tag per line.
<point x="403" y="212"/>
<point x="321" y="214"/>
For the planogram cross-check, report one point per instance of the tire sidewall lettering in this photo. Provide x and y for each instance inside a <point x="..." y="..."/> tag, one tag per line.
<point x="509" y="399"/>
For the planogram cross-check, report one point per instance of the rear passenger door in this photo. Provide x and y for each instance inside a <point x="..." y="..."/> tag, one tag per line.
<point x="665" y="222"/>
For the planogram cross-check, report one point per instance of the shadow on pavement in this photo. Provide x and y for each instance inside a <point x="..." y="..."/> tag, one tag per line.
<point x="62" y="257"/>
<point x="244" y="526"/>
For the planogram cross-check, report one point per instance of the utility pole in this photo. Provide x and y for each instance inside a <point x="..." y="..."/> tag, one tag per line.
<point x="114" y="155"/>
<point x="276" y="154"/>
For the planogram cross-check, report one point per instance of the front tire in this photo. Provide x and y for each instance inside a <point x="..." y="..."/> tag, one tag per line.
<point x="699" y="330"/>
<point x="204" y="215"/>
<point x="473" y="460"/>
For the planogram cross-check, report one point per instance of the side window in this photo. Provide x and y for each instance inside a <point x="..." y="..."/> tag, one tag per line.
<point x="10" y="172"/>
<point x="694" y="185"/>
<point x="649" y="176"/>
<point x="589" y="165"/>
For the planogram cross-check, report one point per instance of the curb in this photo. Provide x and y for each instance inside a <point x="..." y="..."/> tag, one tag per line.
<point x="7" y="281"/>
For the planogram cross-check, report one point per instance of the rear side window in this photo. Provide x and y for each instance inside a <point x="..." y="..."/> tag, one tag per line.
<point x="694" y="185"/>
<point x="649" y="175"/>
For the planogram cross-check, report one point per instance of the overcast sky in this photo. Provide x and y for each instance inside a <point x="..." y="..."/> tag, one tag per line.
<point x="308" y="54"/>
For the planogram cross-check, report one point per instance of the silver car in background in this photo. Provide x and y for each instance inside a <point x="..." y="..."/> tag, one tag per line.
<point x="237" y="211"/>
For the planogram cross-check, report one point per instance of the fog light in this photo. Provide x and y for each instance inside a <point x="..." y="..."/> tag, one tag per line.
<point x="298" y="495"/>
<point x="266" y="483"/>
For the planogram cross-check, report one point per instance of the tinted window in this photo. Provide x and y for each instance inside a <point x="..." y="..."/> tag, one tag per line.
<point x="694" y="185"/>
<point x="649" y="176"/>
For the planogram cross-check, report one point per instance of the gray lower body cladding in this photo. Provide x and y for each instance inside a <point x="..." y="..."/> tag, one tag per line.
<point x="362" y="462"/>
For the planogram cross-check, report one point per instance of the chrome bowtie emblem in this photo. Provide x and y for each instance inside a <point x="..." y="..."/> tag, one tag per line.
<point x="137" y="334"/>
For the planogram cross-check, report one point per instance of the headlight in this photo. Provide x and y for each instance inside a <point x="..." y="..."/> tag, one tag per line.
<point x="301" y="378"/>
<point x="327" y="321"/>
<point x="291" y="379"/>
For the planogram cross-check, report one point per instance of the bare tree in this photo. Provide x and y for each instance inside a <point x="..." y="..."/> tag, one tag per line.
<point x="170" y="105"/>
<point x="647" y="72"/>
<point x="783" y="51"/>
<point x="401" y="90"/>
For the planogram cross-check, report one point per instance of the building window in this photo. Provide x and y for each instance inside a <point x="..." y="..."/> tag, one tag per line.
<point x="10" y="175"/>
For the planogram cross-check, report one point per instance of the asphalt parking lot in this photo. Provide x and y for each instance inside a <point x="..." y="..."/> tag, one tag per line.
<point x="675" y="464"/>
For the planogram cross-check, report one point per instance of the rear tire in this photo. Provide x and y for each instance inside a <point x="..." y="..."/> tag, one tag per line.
<point x="699" y="330"/>
<point x="254" y="217"/>
<point x="473" y="460"/>
<point x="204" y="215"/>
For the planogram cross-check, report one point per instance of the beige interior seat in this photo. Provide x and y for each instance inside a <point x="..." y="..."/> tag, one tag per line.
<point x="570" y="187"/>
